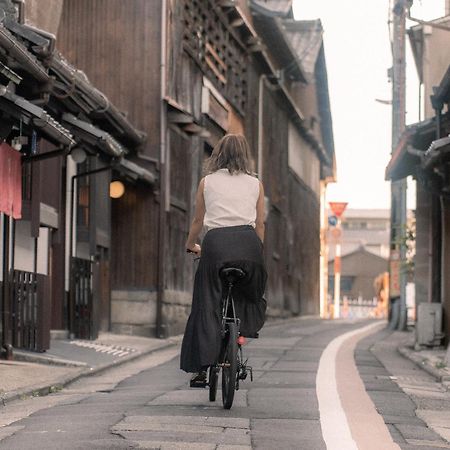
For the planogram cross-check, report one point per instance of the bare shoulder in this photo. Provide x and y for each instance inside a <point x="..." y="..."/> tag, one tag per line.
<point x="261" y="186"/>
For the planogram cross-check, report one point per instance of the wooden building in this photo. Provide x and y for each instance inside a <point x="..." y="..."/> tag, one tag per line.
<point x="185" y="72"/>
<point x="55" y="221"/>
<point x="423" y="153"/>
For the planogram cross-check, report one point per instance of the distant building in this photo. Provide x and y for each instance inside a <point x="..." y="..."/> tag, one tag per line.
<point x="364" y="252"/>
<point x="359" y="270"/>
<point x="367" y="228"/>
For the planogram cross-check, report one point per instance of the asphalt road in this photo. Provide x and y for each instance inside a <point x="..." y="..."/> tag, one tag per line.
<point x="309" y="392"/>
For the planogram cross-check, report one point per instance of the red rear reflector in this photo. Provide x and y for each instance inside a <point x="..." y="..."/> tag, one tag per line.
<point x="241" y="340"/>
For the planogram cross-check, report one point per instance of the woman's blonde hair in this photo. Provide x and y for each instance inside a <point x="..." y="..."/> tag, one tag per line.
<point x="232" y="152"/>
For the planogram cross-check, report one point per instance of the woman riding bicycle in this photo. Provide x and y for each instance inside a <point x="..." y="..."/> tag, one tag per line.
<point x="230" y="204"/>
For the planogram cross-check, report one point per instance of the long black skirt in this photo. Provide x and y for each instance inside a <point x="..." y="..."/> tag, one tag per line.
<point x="237" y="246"/>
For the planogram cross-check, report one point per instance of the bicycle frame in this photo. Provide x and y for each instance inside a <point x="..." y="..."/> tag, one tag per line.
<point x="225" y="307"/>
<point x="242" y="365"/>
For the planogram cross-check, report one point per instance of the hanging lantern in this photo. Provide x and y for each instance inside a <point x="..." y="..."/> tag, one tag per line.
<point x="116" y="189"/>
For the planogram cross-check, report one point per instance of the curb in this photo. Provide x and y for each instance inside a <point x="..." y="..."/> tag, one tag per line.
<point x="45" y="389"/>
<point x="20" y="355"/>
<point x="441" y="375"/>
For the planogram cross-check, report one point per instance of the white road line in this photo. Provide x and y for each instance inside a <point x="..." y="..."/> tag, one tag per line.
<point x="114" y="350"/>
<point x="333" y="419"/>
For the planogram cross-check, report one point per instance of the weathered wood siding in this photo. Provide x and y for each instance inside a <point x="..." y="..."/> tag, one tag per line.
<point x="275" y="177"/>
<point x="117" y="44"/>
<point x="134" y="236"/>
<point x="292" y="244"/>
<point x="304" y="248"/>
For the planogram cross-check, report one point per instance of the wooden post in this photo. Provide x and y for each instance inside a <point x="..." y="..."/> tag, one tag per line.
<point x="6" y="306"/>
<point x="337" y="275"/>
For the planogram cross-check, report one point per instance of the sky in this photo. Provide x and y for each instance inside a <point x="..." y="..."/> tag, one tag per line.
<point x="358" y="55"/>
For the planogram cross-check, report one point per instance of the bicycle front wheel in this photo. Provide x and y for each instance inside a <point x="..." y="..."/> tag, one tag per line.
<point x="229" y="371"/>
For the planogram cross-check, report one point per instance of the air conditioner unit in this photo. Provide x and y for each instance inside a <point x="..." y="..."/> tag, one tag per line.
<point x="429" y="325"/>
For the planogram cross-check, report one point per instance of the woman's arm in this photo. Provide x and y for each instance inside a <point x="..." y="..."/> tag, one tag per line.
<point x="197" y="222"/>
<point x="260" y="227"/>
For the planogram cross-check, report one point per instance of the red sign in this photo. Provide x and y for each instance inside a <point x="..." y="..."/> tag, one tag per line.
<point x="338" y="208"/>
<point x="10" y="181"/>
<point x="337" y="264"/>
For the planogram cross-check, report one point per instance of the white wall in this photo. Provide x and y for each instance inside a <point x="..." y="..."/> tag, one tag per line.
<point x="71" y="170"/>
<point x="23" y="247"/>
<point x="303" y="161"/>
<point x="43" y="250"/>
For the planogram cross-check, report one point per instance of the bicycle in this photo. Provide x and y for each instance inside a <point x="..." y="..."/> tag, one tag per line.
<point x="231" y="360"/>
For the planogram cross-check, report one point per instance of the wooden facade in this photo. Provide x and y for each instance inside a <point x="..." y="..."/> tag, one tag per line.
<point x="429" y="165"/>
<point x="184" y="73"/>
<point x="211" y="86"/>
<point x="55" y="252"/>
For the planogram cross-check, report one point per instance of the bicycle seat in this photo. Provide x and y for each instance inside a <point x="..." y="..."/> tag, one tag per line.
<point x="232" y="274"/>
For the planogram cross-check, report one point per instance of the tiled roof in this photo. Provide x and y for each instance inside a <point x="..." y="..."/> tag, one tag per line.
<point x="73" y="84"/>
<point x="38" y="117"/>
<point x="97" y="137"/>
<point x="305" y="38"/>
<point x="20" y="53"/>
<point x="276" y="8"/>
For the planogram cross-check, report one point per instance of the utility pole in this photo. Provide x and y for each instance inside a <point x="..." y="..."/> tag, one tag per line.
<point x="397" y="294"/>
<point x="337" y="273"/>
<point x="338" y="209"/>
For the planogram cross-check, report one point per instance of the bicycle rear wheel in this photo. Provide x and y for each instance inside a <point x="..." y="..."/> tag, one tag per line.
<point x="229" y="371"/>
<point x="213" y="382"/>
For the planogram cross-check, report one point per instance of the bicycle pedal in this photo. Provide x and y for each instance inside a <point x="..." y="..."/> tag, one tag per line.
<point x="198" y="384"/>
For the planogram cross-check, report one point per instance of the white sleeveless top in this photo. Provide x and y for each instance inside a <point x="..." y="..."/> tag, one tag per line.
<point x="230" y="200"/>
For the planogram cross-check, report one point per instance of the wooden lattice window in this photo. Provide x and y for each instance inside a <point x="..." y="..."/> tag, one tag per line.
<point x="211" y="41"/>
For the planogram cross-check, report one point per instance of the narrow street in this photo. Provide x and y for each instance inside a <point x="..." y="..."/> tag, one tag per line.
<point x="300" y="399"/>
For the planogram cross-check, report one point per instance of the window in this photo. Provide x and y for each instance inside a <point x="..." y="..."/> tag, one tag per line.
<point x="209" y="40"/>
<point x="346" y="284"/>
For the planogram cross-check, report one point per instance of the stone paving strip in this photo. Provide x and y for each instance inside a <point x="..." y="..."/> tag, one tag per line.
<point x="78" y="390"/>
<point x="186" y="432"/>
<point x="414" y="404"/>
<point x="42" y="374"/>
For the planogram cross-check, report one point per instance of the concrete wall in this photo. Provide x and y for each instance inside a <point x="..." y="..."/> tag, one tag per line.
<point x="133" y="312"/>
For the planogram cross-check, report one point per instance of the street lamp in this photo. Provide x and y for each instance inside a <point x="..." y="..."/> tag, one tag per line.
<point x="116" y="189"/>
